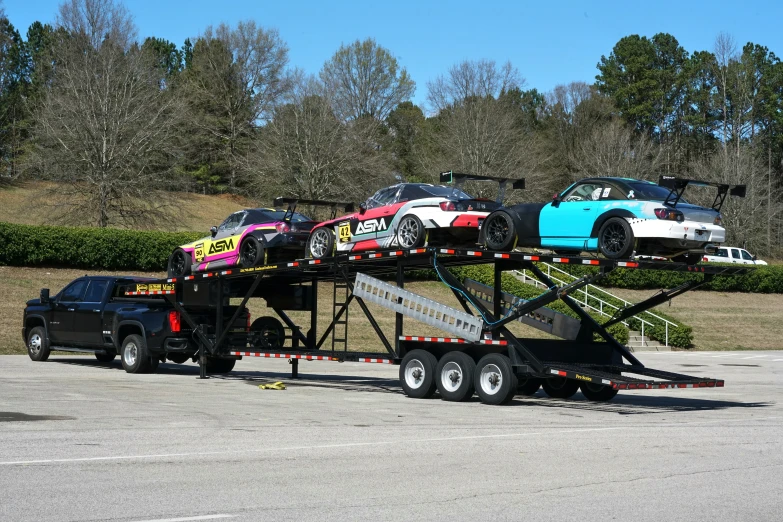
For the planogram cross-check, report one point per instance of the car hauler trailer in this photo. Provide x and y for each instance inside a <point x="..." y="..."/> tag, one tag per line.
<point x="477" y="352"/>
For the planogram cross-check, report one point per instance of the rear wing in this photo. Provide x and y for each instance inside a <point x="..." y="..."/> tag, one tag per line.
<point x="293" y="202"/>
<point x="458" y="179"/>
<point x="677" y="187"/>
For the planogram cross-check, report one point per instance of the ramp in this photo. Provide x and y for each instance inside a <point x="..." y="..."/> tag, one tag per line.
<point x="451" y="320"/>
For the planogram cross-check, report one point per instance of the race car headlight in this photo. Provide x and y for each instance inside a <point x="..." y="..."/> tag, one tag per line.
<point x="669" y="214"/>
<point x="718" y="220"/>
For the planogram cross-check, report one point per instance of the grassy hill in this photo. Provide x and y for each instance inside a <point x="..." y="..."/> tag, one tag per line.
<point x="32" y="204"/>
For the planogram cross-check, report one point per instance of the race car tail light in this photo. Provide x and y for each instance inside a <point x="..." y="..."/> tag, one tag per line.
<point x="718" y="220"/>
<point x="669" y="214"/>
<point x="283" y="228"/>
<point x="174" y="321"/>
<point x="448" y="206"/>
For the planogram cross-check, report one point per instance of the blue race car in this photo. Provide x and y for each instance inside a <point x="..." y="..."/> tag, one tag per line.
<point x="618" y="217"/>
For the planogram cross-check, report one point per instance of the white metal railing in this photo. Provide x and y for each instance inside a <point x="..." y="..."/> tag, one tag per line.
<point x="602" y="304"/>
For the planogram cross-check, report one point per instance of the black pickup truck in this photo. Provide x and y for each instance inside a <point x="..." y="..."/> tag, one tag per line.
<point x="89" y="315"/>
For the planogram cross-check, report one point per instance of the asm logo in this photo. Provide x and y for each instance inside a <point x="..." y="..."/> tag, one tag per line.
<point x="223" y="245"/>
<point x="371" y="225"/>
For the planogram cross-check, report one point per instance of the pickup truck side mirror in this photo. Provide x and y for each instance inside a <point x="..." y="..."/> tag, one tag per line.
<point x="213" y="231"/>
<point x="45" y="296"/>
<point x="362" y="208"/>
<point x="755" y="258"/>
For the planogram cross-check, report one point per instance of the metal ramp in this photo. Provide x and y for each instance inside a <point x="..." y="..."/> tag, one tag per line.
<point x="340" y="321"/>
<point x="544" y="319"/>
<point x="451" y="320"/>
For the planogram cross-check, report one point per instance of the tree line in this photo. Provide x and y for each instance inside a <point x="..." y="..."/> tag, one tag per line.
<point x="120" y="123"/>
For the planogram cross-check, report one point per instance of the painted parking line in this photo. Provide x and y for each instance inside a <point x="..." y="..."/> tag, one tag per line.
<point x="186" y="519"/>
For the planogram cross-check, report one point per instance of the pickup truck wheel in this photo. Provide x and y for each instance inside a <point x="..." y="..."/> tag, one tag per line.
<point x="37" y="344"/>
<point x="105" y="357"/>
<point x="135" y="358"/>
<point x="220" y="365"/>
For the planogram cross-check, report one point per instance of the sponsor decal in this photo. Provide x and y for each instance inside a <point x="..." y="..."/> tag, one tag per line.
<point x="584" y="378"/>
<point x="371" y="225"/>
<point x="224" y="245"/>
<point x="198" y="252"/>
<point x="344" y="232"/>
<point x="606" y="192"/>
<point x="160" y="287"/>
<point x="257" y="268"/>
<point x="141" y="287"/>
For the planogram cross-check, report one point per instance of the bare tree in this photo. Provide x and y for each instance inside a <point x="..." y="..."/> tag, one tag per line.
<point x="104" y="127"/>
<point x="235" y="80"/>
<point x="366" y="80"/>
<point x="613" y="149"/>
<point x="472" y="79"/>
<point x="309" y="152"/>
<point x="725" y="49"/>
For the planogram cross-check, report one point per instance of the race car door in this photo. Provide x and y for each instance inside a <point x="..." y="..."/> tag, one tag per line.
<point x="375" y="221"/>
<point x="569" y="222"/>
<point x="222" y="249"/>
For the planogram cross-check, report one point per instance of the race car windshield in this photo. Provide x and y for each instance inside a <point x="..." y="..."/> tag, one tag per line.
<point x="649" y="191"/>
<point x="269" y="216"/>
<point x="444" y="192"/>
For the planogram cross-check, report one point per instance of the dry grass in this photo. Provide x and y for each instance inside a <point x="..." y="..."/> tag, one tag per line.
<point x="725" y="321"/>
<point x="18" y="285"/>
<point x="30" y="204"/>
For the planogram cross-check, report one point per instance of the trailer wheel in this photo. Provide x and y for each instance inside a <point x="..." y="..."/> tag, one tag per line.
<point x="417" y="374"/>
<point x="270" y="330"/>
<point x="495" y="379"/>
<point x="135" y="358"/>
<point x="454" y="376"/>
<point x="220" y="365"/>
<point x="597" y="392"/>
<point x="528" y="386"/>
<point x="105" y="357"/>
<point x="37" y="344"/>
<point x="560" y="387"/>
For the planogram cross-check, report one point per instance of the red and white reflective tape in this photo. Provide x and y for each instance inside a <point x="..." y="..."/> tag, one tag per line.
<point x="558" y="372"/>
<point x="395" y="253"/>
<point x="453" y="340"/>
<point x="314" y="262"/>
<point x="530" y="258"/>
<point x="283" y="356"/>
<point x="354" y="258"/>
<point x="590" y="262"/>
<point x="375" y="256"/>
<point x="417" y="251"/>
<point x="474" y="253"/>
<point x="628" y="264"/>
<point x="295" y="263"/>
<point x="560" y="260"/>
<point x="188" y="278"/>
<point x="208" y="274"/>
<point x="446" y="251"/>
<point x="502" y="256"/>
<point x="380" y="361"/>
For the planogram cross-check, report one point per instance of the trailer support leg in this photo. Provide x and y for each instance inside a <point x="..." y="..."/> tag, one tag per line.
<point x="202" y="356"/>
<point x="294" y="368"/>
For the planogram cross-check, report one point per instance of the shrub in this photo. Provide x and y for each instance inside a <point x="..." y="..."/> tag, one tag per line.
<point x="94" y="248"/>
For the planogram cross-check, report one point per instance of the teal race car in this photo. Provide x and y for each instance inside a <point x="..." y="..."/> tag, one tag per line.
<point x="617" y="217"/>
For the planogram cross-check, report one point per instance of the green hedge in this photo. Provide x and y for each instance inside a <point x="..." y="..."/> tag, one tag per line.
<point x="94" y="248"/>
<point x="762" y="279"/>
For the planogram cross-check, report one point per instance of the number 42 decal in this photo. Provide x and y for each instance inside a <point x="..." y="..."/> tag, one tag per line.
<point x="344" y="232"/>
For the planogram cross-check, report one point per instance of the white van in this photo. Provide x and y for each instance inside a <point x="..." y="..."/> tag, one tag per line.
<point x="733" y="255"/>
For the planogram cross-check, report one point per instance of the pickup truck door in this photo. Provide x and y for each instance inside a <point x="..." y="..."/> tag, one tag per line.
<point x="735" y="256"/>
<point x="88" y="316"/>
<point x="61" y="324"/>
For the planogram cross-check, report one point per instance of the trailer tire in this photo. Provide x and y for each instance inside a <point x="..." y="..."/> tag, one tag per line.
<point x="220" y="365"/>
<point x="417" y="374"/>
<point x="495" y="380"/>
<point x="528" y="386"/>
<point x="560" y="387"/>
<point x="454" y="376"/>
<point x="597" y="392"/>
<point x="134" y="354"/>
<point x="271" y="331"/>
<point x="38" y="344"/>
<point x="105" y="357"/>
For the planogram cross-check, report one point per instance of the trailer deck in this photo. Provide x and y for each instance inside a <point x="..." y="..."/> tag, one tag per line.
<point x="577" y="360"/>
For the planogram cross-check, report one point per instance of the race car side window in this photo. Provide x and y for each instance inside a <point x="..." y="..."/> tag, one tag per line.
<point x="382" y="197"/>
<point x="232" y="221"/>
<point x="584" y="192"/>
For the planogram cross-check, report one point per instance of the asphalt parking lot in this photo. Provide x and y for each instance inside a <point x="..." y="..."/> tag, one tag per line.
<point x="84" y="441"/>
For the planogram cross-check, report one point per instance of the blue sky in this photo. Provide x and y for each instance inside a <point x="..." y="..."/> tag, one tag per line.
<point x="549" y="42"/>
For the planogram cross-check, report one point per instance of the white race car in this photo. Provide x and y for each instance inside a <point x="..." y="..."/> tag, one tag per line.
<point x="410" y="215"/>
